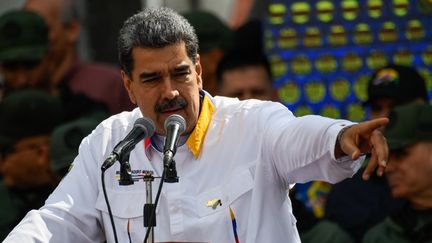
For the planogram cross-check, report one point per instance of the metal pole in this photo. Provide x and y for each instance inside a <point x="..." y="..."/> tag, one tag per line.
<point x="149" y="207"/>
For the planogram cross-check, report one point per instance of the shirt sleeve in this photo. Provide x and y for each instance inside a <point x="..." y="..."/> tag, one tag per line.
<point x="301" y="149"/>
<point x="66" y="212"/>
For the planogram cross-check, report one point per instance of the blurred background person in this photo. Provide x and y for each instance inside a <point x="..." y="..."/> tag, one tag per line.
<point x="355" y="204"/>
<point x="244" y="71"/>
<point x="36" y="151"/>
<point x="27" y="119"/>
<point x="23" y="44"/>
<point x="25" y="63"/>
<point x="409" y="169"/>
<point x="100" y="82"/>
<point x="395" y="85"/>
<point x="215" y="39"/>
<point x="245" y="75"/>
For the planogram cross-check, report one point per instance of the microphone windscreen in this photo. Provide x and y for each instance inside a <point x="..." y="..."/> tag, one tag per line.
<point x="176" y="119"/>
<point x="147" y="124"/>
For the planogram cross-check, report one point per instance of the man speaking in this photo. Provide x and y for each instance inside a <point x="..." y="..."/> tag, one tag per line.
<point x="235" y="159"/>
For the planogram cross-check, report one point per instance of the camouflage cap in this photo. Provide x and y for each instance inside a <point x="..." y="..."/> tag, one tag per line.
<point x="408" y="125"/>
<point x="401" y="83"/>
<point x="28" y="113"/>
<point x="23" y="36"/>
<point x="211" y="31"/>
<point x="65" y="140"/>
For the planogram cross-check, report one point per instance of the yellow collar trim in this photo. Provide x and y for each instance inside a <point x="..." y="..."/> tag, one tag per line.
<point x="196" y="138"/>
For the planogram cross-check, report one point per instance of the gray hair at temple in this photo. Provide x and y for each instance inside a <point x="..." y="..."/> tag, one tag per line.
<point x="155" y="28"/>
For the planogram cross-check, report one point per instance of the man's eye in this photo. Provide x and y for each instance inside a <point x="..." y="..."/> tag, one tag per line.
<point x="149" y="80"/>
<point x="180" y="74"/>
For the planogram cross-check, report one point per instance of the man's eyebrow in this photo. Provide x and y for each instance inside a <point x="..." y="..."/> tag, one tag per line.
<point x="145" y="75"/>
<point x="181" y="68"/>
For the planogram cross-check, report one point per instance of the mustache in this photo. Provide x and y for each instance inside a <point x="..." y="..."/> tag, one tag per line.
<point x="177" y="103"/>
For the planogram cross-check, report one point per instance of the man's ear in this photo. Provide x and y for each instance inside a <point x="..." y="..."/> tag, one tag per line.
<point x="127" y="82"/>
<point x="198" y="70"/>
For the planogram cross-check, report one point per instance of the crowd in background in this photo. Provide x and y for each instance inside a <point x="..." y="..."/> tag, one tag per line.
<point x="50" y="100"/>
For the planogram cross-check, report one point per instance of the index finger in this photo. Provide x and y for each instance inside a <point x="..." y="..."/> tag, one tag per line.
<point x="371" y="125"/>
<point x="379" y="156"/>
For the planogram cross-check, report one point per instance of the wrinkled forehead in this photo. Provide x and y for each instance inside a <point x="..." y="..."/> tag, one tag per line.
<point x="158" y="59"/>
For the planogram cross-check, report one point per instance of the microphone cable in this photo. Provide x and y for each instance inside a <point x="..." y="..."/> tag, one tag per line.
<point x="108" y="206"/>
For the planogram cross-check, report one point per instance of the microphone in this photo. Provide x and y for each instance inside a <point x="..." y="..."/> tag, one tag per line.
<point x="142" y="128"/>
<point x="174" y="125"/>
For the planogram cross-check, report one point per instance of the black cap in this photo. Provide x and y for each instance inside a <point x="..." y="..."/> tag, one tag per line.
<point x="23" y="36"/>
<point x="408" y="125"/>
<point x="65" y="140"/>
<point x="401" y="83"/>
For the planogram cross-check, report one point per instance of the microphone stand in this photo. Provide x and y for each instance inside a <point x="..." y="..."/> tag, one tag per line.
<point x="125" y="170"/>
<point x="169" y="175"/>
<point x="171" y="172"/>
<point x="149" y="206"/>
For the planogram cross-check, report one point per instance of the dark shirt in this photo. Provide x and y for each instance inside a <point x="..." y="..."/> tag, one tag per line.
<point x="15" y="203"/>
<point x="357" y="205"/>
<point x="77" y="105"/>
<point x="101" y="83"/>
<point x="403" y="226"/>
<point x="312" y="229"/>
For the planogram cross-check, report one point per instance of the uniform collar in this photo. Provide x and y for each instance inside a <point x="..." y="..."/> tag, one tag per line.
<point x="196" y="138"/>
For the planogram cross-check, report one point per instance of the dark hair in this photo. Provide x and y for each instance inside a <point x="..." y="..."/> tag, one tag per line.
<point x="155" y="28"/>
<point x="240" y="59"/>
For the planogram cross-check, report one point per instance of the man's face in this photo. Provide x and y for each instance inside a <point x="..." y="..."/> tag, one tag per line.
<point x="27" y="164"/>
<point x="409" y="172"/>
<point x="62" y="37"/>
<point x="381" y="107"/>
<point x="251" y="82"/>
<point x="210" y="59"/>
<point x="165" y="81"/>
<point x="22" y="75"/>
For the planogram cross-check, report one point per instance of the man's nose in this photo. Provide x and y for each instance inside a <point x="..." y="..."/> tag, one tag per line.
<point x="169" y="89"/>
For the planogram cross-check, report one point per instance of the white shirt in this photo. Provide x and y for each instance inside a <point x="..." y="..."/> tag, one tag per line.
<point x="247" y="158"/>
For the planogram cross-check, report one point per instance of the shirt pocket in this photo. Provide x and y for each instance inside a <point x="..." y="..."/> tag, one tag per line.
<point x="127" y="211"/>
<point x="236" y="194"/>
<point x="124" y="204"/>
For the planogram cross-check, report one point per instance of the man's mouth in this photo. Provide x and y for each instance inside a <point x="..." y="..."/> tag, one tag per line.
<point x="170" y="110"/>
